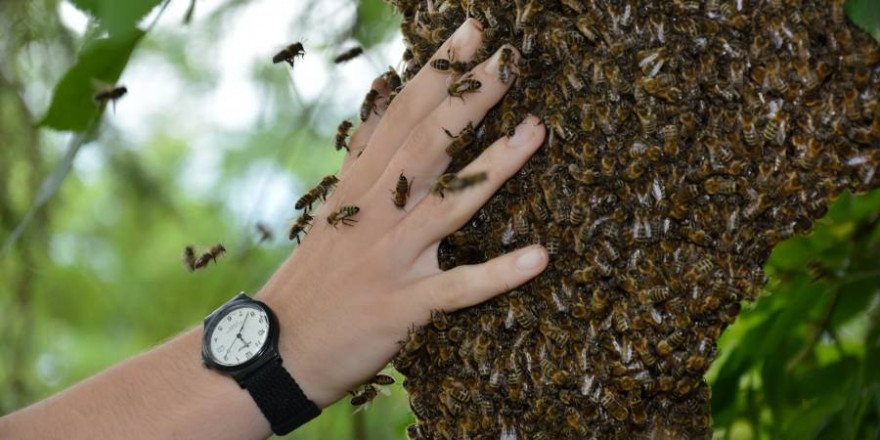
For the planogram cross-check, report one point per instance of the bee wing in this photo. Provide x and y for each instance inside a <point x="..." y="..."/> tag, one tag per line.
<point x="363" y="407"/>
<point x="384" y="390"/>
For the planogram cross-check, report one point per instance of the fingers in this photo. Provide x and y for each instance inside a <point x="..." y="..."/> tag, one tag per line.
<point x="362" y="135"/>
<point x="424" y="152"/>
<point x="420" y="96"/>
<point x="435" y="217"/>
<point x="465" y="286"/>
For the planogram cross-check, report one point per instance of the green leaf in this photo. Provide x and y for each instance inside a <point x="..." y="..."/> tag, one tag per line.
<point x="866" y="15"/>
<point x="118" y="17"/>
<point x="73" y="107"/>
<point x="373" y="19"/>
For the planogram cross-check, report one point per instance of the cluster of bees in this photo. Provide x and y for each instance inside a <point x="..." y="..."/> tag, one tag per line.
<point x="685" y="140"/>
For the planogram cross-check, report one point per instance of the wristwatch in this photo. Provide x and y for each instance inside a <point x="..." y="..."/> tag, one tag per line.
<point x="241" y="340"/>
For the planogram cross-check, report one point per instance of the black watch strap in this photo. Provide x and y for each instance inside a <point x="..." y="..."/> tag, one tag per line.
<point x="279" y="397"/>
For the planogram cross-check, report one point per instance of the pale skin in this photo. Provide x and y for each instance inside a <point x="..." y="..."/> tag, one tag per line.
<point x="347" y="297"/>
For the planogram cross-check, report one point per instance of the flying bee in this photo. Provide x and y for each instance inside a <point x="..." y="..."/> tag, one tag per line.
<point x="210" y="256"/>
<point x="505" y="64"/>
<point x="189" y="258"/>
<point x="264" y="231"/>
<point x="464" y="86"/>
<point x="369" y="104"/>
<point x="289" y="53"/>
<point x="454" y="183"/>
<point x="110" y="95"/>
<point x="299" y="227"/>
<point x="342" y="134"/>
<point x="401" y="191"/>
<point x="348" y="55"/>
<point x="464" y="139"/>
<point x="343" y="215"/>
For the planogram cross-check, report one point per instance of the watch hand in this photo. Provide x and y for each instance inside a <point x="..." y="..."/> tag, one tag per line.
<point x="246" y="345"/>
<point x="230" y="347"/>
<point x="243" y="323"/>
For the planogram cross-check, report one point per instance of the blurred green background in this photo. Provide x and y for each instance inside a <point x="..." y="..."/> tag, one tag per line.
<point x="213" y="139"/>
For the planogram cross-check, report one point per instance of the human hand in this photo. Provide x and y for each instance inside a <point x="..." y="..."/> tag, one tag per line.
<point x="349" y="294"/>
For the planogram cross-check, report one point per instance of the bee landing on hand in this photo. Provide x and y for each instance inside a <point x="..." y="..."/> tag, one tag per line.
<point x="342" y="134"/>
<point x="453" y="183"/>
<point x="464" y="86"/>
<point x="401" y="191"/>
<point x="289" y="53"/>
<point x="343" y="215"/>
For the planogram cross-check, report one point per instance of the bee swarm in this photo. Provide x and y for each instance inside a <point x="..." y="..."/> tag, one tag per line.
<point x="685" y="139"/>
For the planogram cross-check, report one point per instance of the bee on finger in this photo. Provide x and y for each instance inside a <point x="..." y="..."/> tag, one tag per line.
<point x="505" y="64"/>
<point x="369" y="104"/>
<point x="342" y="134"/>
<point x="210" y="256"/>
<point x="299" y="227"/>
<point x="348" y="55"/>
<point x="289" y="53"/>
<point x="464" y="86"/>
<point x="401" y="191"/>
<point x="453" y="183"/>
<point x="464" y="139"/>
<point x="343" y="215"/>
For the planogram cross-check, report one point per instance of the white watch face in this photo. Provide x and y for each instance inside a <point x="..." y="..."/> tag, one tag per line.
<point x="239" y="335"/>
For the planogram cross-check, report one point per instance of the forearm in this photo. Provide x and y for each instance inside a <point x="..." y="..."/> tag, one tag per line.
<point x="165" y="393"/>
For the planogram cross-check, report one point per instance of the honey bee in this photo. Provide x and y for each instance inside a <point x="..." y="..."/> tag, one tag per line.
<point x="111" y="95"/>
<point x="648" y="121"/>
<point x="342" y="134"/>
<point x="666" y="346"/>
<point x="464" y="86"/>
<point x="367" y="395"/>
<point x="299" y="227"/>
<point x="348" y="55"/>
<point x="505" y="64"/>
<point x="401" y="191"/>
<point x="521" y="313"/>
<point x="210" y="256"/>
<point x="382" y="379"/>
<point x="369" y="104"/>
<point x="463" y="140"/>
<point x="264" y="231"/>
<point x="289" y="54"/>
<point x="454" y="183"/>
<point x="614" y="407"/>
<point x="343" y="215"/>
<point x="189" y="258"/>
<point x="655" y="294"/>
<point x="720" y="185"/>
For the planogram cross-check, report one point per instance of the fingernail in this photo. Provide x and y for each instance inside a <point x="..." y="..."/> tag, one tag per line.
<point x="531" y="260"/>
<point x="468" y="31"/>
<point x="524" y="132"/>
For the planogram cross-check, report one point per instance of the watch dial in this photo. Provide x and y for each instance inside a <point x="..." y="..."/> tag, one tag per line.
<point x="239" y="335"/>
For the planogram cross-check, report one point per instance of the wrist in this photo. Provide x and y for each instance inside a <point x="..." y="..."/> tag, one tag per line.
<point x="296" y="355"/>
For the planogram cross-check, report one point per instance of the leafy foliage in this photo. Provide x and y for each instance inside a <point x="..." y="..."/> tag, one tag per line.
<point x="117" y="17"/>
<point x="866" y="15"/>
<point x="802" y="363"/>
<point x="100" y="63"/>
